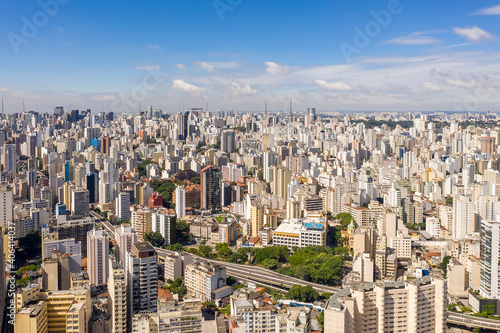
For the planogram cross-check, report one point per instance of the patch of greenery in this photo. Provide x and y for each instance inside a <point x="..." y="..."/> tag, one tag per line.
<point x="302" y="294"/>
<point x="155" y="238"/>
<point x="444" y="264"/>
<point x="177" y="287"/>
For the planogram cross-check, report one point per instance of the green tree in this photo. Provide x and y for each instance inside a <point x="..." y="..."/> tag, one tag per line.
<point x="177" y="287"/>
<point x="341" y="251"/>
<point x="321" y="319"/>
<point x="182" y="231"/>
<point x="223" y="249"/>
<point x="444" y="264"/>
<point x="345" y="219"/>
<point x="302" y="293"/>
<point x="195" y="180"/>
<point x="155" y="238"/>
<point x="174" y="247"/>
<point x="31" y="243"/>
<point x="449" y="200"/>
<point x="270" y="263"/>
<point x="205" y="250"/>
<point x="209" y="305"/>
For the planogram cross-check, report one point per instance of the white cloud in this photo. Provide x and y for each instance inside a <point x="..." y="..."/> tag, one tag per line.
<point x="462" y="84"/>
<point x="104" y="98"/>
<point x="339" y="86"/>
<point x="154" y="46"/>
<point x="430" y="86"/>
<point x="474" y="34"/>
<point x="5" y="89"/>
<point x="412" y="40"/>
<point x="147" y="68"/>
<point x="495" y="10"/>
<point x="181" y="66"/>
<point x="206" y="66"/>
<point x="239" y="88"/>
<point x="275" y="69"/>
<point x="184" y="86"/>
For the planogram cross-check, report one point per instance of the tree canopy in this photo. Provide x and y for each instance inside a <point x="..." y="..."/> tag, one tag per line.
<point x="155" y="238"/>
<point x="302" y="294"/>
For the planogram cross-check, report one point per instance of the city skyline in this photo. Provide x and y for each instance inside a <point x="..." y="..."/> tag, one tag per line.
<point x="239" y="55"/>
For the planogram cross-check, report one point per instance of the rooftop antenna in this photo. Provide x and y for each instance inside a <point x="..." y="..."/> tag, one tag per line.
<point x="266" y="111"/>
<point x="2" y="107"/>
<point x="23" y="105"/>
<point x="291" y="108"/>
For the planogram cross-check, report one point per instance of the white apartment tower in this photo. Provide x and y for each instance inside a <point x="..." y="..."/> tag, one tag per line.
<point x="490" y="258"/>
<point x="98" y="256"/>
<point x="125" y="237"/>
<point x="413" y="306"/>
<point x="180" y="201"/>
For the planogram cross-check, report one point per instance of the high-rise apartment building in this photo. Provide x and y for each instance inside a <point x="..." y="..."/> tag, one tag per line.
<point x="123" y="206"/>
<point x="201" y="278"/>
<point x="125" y="236"/>
<point x="490" y="260"/>
<point x="180" y="201"/>
<point x="417" y="305"/>
<point x="210" y="188"/>
<point x="80" y="202"/>
<point x="6" y="205"/>
<point x="227" y="142"/>
<point x="98" y="256"/>
<point x="117" y="297"/>
<point x="142" y="279"/>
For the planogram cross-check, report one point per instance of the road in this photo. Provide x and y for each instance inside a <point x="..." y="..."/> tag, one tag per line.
<point x="256" y="274"/>
<point x="472" y="321"/>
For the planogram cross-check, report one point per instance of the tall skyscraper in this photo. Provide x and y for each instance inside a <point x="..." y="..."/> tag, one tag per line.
<point x="182" y="125"/>
<point x="468" y="175"/>
<point x="105" y="144"/>
<point x="464" y="220"/>
<point x="123" y="206"/>
<point x="98" y="256"/>
<point x="227" y="143"/>
<point x="9" y="159"/>
<point x="91" y="182"/>
<point x="117" y="297"/>
<point x="490" y="260"/>
<point x="180" y="201"/>
<point x="125" y="237"/>
<point x="281" y="179"/>
<point x="6" y="205"/>
<point x="142" y="279"/>
<point x="210" y="188"/>
<point x="80" y="202"/>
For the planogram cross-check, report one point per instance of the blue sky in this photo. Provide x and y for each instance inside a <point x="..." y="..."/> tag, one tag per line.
<point x="239" y="54"/>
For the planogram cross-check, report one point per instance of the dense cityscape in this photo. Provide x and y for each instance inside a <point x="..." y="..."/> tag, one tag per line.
<point x="297" y="221"/>
<point x="233" y="166"/>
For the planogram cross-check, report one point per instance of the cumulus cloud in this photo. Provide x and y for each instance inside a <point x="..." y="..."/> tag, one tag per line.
<point x="495" y="10"/>
<point x="184" y="86"/>
<point x="5" y="89"/>
<point x="275" y="69"/>
<point x="462" y="84"/>
<point x="430" y="86"/>
<point x="205" y="65"/>
<point x="412" y="40"/>
<point x="239" y="88"/>
<point x="154" y="46"/>
<point x="104" y="98"/>
<point x="339" y="86"/>
<point x="181" y="66"/>
<point x="474" y="34"/>
<point x="147" y="68"/>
